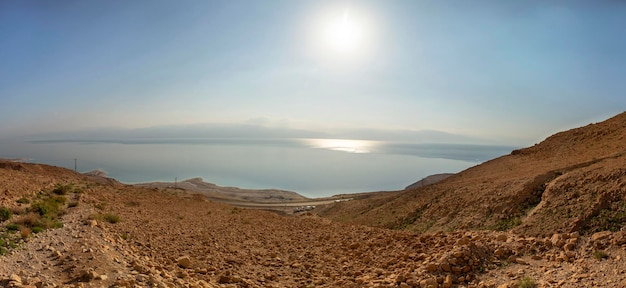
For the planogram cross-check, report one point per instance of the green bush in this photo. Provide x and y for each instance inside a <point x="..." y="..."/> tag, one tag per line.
<point x="507" y="224"/>
<point x="60" y="189"/>
<point x="5" y="214"/>
<point x="23" y="200"/>
<point x="49" y="207"/>
<point x="526" y="282"/>
<point x="600" y="254"/>
<point x="47" y="223"/>
<point x="13" y="227"/>
<point x="108" y="217"/>
<point x="111" y="218"/>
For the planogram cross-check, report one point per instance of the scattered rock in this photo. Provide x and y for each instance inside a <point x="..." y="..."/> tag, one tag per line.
<point x="15" y="278"/>
<point x="501" y="238"/>
<point x="184" y="262"/>
<point x="601" y="236"/>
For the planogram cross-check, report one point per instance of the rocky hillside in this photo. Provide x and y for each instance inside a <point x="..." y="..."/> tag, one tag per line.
<point x="63" y="229"/>
<point x="59" y="228"/>
<point x="574" y="181"/>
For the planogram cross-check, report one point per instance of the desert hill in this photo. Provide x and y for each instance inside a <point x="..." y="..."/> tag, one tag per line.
<point x="66" y="229"/>
<point x="572" y="181"/>
<point x="59" y="228"/>
<point x="429" y="180"/>
<point x="219" y="193"/>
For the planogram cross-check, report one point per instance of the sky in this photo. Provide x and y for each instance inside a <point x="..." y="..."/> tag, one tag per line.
<point x="506" y="71"/>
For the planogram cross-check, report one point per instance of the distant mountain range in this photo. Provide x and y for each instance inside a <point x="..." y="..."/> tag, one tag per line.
<point x="253" y="131"/>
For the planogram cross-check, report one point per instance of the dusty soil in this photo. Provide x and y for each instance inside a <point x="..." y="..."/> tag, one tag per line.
<point x="169" y="238"/>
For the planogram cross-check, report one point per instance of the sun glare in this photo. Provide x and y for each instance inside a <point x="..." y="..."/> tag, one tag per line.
<point x="343" y="145"/>
<point x="343" y="34"/>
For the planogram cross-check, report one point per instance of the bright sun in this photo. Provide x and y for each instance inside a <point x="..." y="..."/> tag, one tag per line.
<point x="344" y="34"/>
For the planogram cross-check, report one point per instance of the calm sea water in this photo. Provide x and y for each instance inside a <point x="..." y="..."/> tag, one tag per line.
<point x="311" y="167"/>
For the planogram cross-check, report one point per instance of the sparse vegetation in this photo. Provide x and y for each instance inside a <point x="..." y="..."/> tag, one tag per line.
<point x="6" y="242"/>
<point x="108" y="217"/>
<point x="17" y="210"/>
<point x="64" y="189"/>
<point x="111" y="218"/>
<point x="526" y="282"/>
<point x="43" y="214"/>
<point x="23" y="200"/>
<point x="408" y="220"/>
<point x="507" y="224"/>
<point x="5" y="214"/>
<point x="12" y="227"/>
<point x="24" y="232"/>
<point x="28" y="220"/>
<point x="61" y="189"/>
<point x="49" y="207"/>
<point x="612" y="218"/>
<point x="600" y="254"/>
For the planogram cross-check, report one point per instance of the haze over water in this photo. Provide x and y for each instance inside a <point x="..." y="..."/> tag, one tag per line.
<point x="311" y="167"/>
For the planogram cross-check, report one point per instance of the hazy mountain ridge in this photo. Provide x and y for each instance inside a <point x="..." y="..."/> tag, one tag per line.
<point x="253" y="131"/>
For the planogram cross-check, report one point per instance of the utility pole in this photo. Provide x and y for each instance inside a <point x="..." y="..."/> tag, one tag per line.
<point x="75" y="170"/>
<point x="175" y="182"/>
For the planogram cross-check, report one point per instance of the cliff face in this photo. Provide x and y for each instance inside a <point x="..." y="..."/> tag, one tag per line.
<point x="572" y="181"/>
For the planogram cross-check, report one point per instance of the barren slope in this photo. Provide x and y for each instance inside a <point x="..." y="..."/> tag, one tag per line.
<point x="582" y="169"/>
<point x="171" y="238"/>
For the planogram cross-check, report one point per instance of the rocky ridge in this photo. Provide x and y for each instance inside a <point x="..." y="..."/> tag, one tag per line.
<point x="574" y="181"/>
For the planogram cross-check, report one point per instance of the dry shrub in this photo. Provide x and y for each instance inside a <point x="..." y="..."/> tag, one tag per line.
<point x="18" y="210"/>
<point x="29" y="220"/>
<point x="25" y="232"/>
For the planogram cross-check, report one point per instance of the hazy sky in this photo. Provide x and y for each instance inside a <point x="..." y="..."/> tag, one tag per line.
<point x="513" y="71"/>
